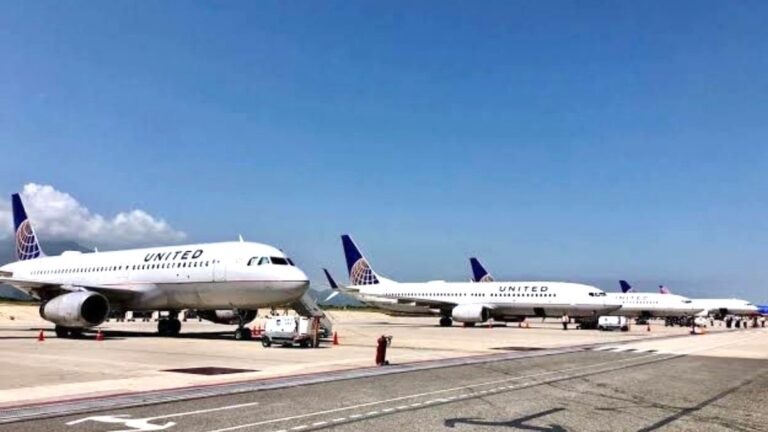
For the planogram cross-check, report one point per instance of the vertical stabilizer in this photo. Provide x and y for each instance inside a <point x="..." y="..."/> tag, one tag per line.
<point x="360" y="272"/>
<point x="626" y="287"/>
<point x="479" y="273"/>
<point x="27" y="246"/>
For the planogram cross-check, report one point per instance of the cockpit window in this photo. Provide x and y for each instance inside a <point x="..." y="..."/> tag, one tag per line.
<point x="290" y="261"/>
<point x="687" y="301"/>
<point x="279" y="261"/>
<point x="253" y="261"/>
<point x="264" y="260"/>
<point x="597" y="294"/>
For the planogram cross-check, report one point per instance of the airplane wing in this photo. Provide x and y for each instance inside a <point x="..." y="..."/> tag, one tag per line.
<point x="47" y="290"/>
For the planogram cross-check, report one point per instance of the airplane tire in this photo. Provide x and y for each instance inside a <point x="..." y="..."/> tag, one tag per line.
<point x="243" y="334"/>
<point x="445" y="322"/>
<point x="266" y="342"/>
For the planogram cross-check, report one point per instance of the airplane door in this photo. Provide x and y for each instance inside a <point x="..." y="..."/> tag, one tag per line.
<point x="219" y="271"/>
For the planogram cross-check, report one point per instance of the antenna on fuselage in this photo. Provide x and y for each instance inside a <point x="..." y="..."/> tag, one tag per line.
<point x="240" y="236"/>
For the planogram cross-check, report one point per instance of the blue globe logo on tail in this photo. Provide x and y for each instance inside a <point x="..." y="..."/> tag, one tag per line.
<point x="27" y="246"/>
<point x="26" y="242"/>
<point x="361" y="273"/>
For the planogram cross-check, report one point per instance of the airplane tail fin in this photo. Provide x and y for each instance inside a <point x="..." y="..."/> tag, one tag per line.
<point x="664" y="290"/>
<point x="625" y="286"/>
<point x="331" y="282"/>
<point x="479" y="273"/>
<point x="360" y="272"/>
<point x="27" y="246"/>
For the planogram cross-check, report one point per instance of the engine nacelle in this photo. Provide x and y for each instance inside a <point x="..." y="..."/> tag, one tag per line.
<point x="227" y="316"/>
<point x="470" y="313"/>
<point x="76" y="309"/>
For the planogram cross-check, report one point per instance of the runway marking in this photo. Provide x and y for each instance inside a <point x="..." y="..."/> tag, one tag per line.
<point x="144" y="424"/>
<point x="494" y="390"/>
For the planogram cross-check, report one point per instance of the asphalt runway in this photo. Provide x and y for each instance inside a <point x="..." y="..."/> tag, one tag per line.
<point x="592" y="390"/>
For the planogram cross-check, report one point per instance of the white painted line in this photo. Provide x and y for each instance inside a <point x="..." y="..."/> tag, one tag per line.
<point x="339" y="420"/>
<point x="320" y="423"/>
<point x="355" y="416"/>
<point x="402" y="407"/>
<point x="299" y="427"/>
<point x="387" y="410"/>
<point x="371" y="413"/>
<point x="204" y="411"/>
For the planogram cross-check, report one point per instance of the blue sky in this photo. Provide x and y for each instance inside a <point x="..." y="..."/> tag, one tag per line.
<point x="579" y="140"/>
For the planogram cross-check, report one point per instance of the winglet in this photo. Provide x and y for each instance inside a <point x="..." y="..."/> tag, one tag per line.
<point x="360" y="272"/>
<point x="27" y="246"/>
<point x="625" y="286"/>
<point x="479" y="273"/>
<point x="331" y="282"/>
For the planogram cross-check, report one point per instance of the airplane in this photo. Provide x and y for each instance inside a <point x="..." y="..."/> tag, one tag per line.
<point x="762" y="310"/>
<point x="633" y="304"/>
<point x="225" y="282"/>
<point x="471" y="303"/>
<point x="651" y="304"/>
<point x="719" y="308"/>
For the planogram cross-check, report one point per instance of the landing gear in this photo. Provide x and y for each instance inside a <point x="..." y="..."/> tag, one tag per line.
<point x="445" y="322"/>
<point x="169" y="327"/>
<point x="469" y="324"/>
<point x="68" y="332"/>
<point x="242" y="333"/>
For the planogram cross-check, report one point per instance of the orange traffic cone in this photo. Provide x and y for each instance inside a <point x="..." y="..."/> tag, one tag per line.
<point x="99" y="336"/>
<point x="41" y="336"/>
<point x="335" y="338"/>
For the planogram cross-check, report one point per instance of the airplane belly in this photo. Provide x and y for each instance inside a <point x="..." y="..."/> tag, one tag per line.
<point x="249" y="294"/>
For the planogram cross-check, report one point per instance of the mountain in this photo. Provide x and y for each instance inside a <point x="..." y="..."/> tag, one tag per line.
<point x="8" y="254"/>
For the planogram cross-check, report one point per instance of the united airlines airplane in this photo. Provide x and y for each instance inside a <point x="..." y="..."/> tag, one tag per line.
<point x="472" y="303"/>
<point x="721" y="307"/>
<point x="633" y="304"/>
<point x="226" y="282"/>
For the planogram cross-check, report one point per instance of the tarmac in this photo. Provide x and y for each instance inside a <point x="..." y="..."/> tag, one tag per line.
<point x="539" y="377"/>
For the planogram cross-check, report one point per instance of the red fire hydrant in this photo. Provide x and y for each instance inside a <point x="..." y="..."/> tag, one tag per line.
<point x="381" y="350"/>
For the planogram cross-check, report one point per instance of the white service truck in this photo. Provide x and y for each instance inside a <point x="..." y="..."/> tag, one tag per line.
<point x="289" y="330"/>
<point x="613" y="322"/>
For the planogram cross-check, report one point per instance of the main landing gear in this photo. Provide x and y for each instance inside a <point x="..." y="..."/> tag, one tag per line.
<point x="445" y="321"/>
<point x="242" y="332"/>
<point x="68" y="332"/>
<point x="170" y="326"/>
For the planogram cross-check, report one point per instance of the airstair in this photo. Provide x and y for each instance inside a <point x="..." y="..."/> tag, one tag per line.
<point x="307" y="306"/>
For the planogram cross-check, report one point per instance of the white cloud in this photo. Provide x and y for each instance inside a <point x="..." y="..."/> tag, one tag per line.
<point x="57" y="215"/>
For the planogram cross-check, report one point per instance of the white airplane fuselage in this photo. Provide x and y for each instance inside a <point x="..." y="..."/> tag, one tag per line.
<point x="721" y="307"/>
<point x="198" y="276"/>
<point x="639" y="304"/>
<point x="503" y="299"/>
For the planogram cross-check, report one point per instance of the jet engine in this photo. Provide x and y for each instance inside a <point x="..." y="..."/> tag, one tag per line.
<point x="470" y="313"/>
<point x="76" y="309"/>
<point x="227" y="316"/>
